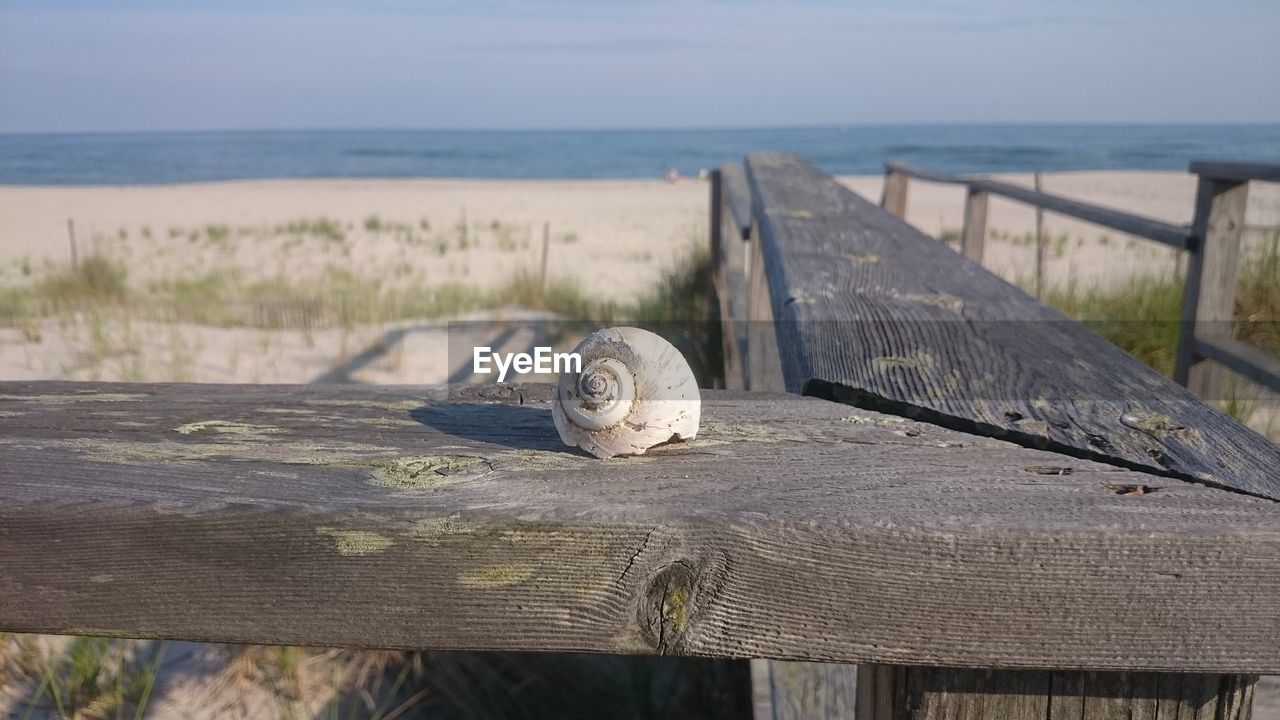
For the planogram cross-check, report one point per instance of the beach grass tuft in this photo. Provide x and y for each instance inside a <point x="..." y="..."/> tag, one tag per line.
<point x="1142" y="316"/>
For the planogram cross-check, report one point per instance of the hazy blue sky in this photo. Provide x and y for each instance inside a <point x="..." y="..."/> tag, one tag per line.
<point x="222" y="64"/>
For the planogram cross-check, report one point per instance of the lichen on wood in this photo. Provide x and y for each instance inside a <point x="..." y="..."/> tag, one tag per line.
<point x="350" y="543"/>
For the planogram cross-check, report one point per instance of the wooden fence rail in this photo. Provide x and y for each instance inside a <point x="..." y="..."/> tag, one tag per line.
<point x="869" y="312"/>
<point x="1212" y="241"/>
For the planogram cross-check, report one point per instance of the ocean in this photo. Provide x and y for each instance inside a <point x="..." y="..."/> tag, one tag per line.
<point x="170" y="157"/>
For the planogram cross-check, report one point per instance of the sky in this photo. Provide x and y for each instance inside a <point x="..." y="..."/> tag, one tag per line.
<point x="90" y="65"/>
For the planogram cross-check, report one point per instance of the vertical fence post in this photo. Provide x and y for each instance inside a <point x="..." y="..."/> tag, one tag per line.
<point x="1210" y="295"/>
<point x="975" y="225"/>
<point x="1039" y="245"/>
<point x="714" y="232"/>
<point x="894" y="196"/>
<point x="546" y="249"/>
<point x="71" y="235"/>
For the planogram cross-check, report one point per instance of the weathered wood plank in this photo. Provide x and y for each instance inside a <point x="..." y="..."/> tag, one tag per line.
<point x="792" y="528"/>
<point x="871" y="312"/>
<point x="956" y="693"/>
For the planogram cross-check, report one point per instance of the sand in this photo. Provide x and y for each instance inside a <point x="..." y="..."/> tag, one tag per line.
<point x="613" y="237"/>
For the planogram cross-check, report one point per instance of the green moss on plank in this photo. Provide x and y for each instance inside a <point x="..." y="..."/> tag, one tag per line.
<point x="867" y="420"/>
<point x="432" y="530"/>
<point x="371" y="404"/>
<point x="356" y="543"/>
<point x="915" y="361"/>
<point x="132" y="452"/>
<point x="104" y="632"/>
<point x="1162" y="427"/>
<point x="427" y="471"/>
<point x="528" y="459"/>
<point x="942" y="300"/>
<point x="76" y="398"/>
<point x="494" y="576"/>
<point x="227" y="427"/>
<point x="675" y="609"/>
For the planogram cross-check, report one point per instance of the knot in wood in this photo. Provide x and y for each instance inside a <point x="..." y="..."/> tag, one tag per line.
<point x="667" y="607"/>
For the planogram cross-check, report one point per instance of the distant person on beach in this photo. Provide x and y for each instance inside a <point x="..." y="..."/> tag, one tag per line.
<point x="672" y="175"/>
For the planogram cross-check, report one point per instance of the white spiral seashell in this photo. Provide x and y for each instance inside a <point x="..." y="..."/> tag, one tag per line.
<point x="635" y="391"/>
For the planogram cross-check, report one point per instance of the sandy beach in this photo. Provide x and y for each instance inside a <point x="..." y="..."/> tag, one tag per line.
<point x="612" y="239"/>
<point x="611" y="236"/>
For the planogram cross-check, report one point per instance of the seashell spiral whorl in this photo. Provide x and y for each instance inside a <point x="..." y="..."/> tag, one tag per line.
<point x="635" y="391"/>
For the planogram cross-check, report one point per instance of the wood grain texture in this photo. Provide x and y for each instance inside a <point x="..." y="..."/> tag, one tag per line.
<point x="915" y="693"/>
<point x="792" y="528"/>
<point x="1172" y="235"/>
<point x="973" y="238"/>
<point x="871" y="312"/>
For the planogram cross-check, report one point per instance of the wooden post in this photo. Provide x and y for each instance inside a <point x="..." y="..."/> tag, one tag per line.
<point x="975" y="225"/>
<point x="1039" y="244"/>
<point x="892" y="692"/>
<point x="714" y="232"/>
<point x="729" y="254"/>
<point x="546" y="247"/>
<point x="71" y="235"/>
<point x="1210" y="294"/>
<point x="894" y="196"/>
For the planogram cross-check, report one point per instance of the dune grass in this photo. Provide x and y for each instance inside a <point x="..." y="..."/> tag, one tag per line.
<point x="86" y="677"/>
<point x="681" y="307"/>
<point x="1142" y="317"/>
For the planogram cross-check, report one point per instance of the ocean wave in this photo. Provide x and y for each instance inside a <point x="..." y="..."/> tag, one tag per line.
<point x="437" y="154"/>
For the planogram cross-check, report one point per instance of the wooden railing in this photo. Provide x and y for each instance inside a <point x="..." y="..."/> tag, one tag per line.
<point x="831" y="296"/>
<point x="1212" y="242"/>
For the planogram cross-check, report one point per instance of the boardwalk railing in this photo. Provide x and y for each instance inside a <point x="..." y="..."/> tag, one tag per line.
<point x="1212" y="241"/>
<point x="831" y="296"/>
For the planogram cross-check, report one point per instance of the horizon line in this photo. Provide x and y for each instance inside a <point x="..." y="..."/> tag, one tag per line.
<point x="664" y="128"/>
